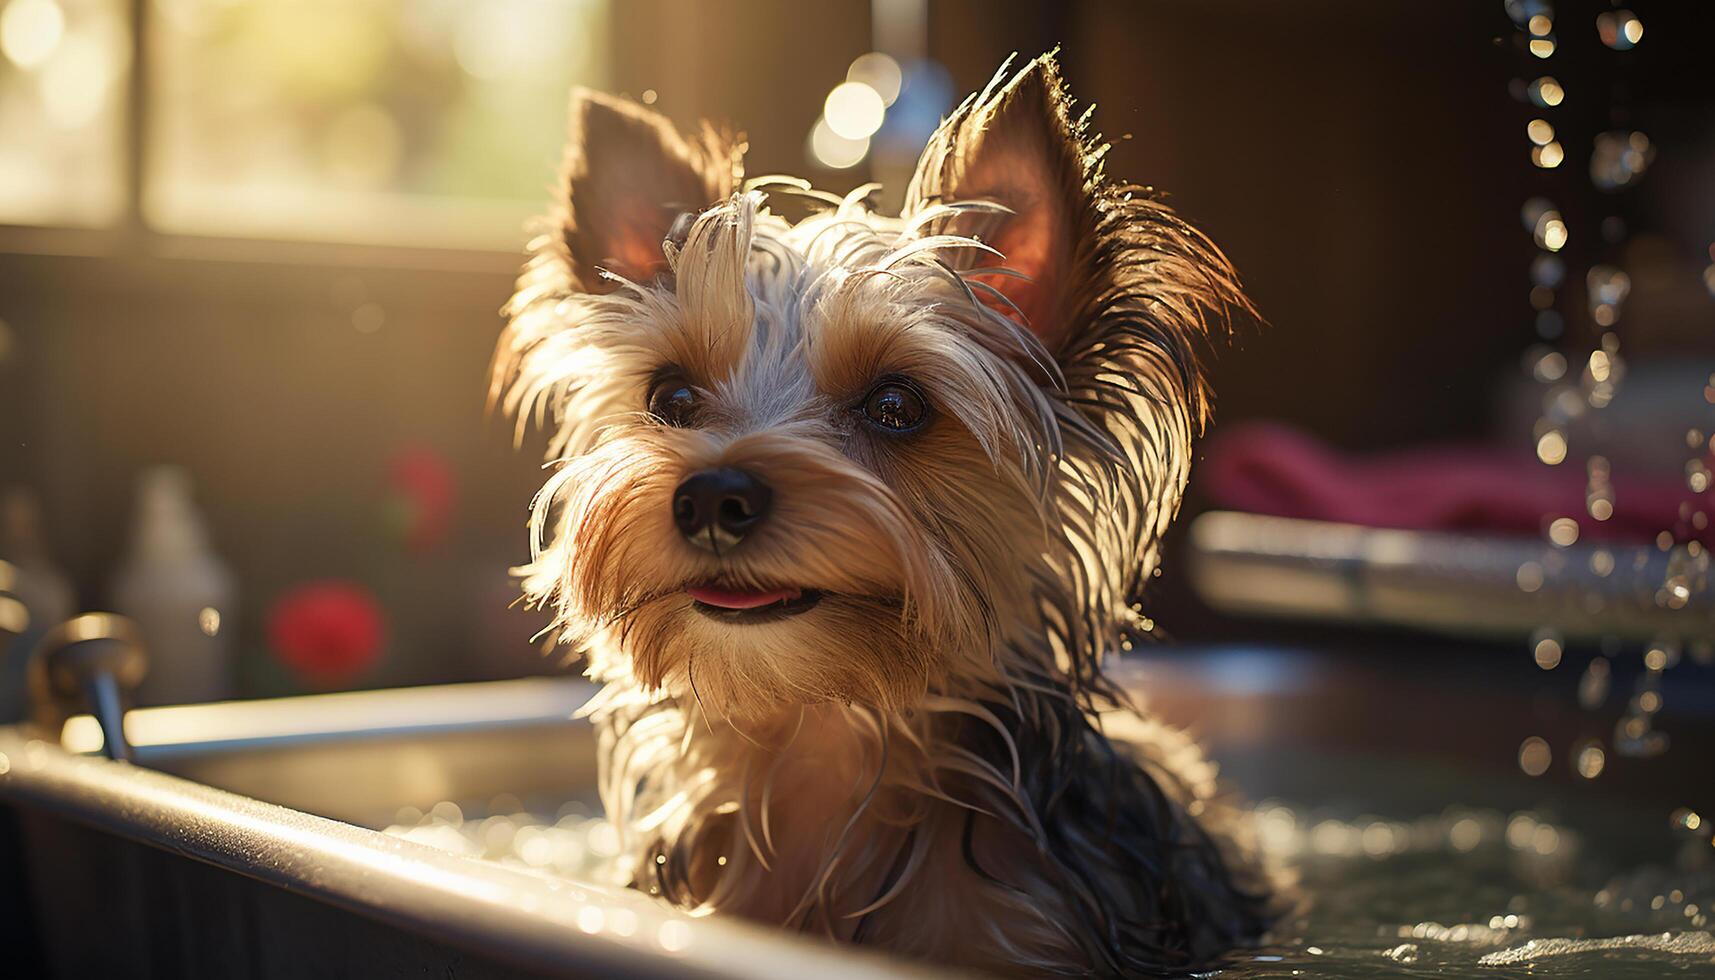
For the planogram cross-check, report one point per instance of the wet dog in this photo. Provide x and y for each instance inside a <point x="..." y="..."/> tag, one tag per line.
<point x="847" y="515"/>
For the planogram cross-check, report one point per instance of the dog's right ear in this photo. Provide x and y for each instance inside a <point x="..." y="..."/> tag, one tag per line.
<point x="627" y="177"/>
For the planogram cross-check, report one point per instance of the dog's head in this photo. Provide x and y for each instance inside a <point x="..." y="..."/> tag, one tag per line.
<point x="859" y="457"/>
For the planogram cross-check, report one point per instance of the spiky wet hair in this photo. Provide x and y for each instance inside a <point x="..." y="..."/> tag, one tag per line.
<point x="1070" y="313"/>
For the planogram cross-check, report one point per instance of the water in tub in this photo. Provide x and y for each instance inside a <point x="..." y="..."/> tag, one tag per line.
<point x="1453" y="892"/>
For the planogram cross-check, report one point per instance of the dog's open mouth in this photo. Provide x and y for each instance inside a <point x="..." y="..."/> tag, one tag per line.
<point x="750" y="606"/>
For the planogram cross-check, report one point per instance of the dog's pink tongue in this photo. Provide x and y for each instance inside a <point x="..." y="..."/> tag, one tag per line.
<point x="734" y="599"/>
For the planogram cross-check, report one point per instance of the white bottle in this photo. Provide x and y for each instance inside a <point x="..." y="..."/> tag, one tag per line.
<point x="43" y="589"/>
<point x="178" y="592"/>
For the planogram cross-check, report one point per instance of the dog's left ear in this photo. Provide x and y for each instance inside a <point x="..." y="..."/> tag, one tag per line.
<point x="628" y="175"/>
<point x="1016" y="144"/>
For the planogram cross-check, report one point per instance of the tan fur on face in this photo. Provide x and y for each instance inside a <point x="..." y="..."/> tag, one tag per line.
<point x="927" y="760"/>
<point x="914" y="556"/>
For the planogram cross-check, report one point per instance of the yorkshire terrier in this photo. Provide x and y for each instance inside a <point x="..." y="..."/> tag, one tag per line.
<point x="848" y="514"/>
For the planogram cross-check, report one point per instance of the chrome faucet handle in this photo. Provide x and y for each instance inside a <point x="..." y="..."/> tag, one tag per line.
<point x="93" y="661"/>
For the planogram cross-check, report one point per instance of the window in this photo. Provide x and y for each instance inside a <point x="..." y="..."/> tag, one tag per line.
<point x="408" y="122"/>
<point x="63" y="81"/>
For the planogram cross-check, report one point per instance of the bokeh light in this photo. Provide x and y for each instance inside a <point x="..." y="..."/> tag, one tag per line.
<point x="1546" y="92"/>
<point x="1546" y="649"/>
<point x="854" y="111"/>
<point x="1619" y="159"/>
<point x="834" y="151"/>
<point x="1534" y="756"/>
<point x="1619" y="29"/>
<point x="880" y="73"/>
<point x="30" y="30"/>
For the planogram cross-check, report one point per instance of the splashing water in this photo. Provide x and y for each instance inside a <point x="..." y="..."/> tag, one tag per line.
<point x="1459" y="892"/>
<point x="1674" y="944"/>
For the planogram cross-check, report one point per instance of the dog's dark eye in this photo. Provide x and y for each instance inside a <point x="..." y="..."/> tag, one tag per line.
<point x="895" y="405"/>
<point x="673" y="401"/>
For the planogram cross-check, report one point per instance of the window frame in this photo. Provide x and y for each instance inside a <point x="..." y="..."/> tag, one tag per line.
<point x="132" y="244"/>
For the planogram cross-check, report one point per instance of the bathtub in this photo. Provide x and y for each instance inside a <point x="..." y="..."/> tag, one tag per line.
<point x="246" y="840"/>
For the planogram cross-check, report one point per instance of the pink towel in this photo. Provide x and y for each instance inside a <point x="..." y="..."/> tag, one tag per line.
<point x="1268" y="468"/>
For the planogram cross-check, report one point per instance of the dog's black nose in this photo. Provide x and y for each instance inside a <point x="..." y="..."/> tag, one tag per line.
<point x="715" y="509"/>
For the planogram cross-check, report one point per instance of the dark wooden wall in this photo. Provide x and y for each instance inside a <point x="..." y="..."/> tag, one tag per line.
<point x="1362" y="163"/>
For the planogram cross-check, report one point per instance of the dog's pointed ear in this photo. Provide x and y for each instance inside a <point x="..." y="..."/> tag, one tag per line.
<point x="627" y="176"/>
<point x="1015" y="144"/>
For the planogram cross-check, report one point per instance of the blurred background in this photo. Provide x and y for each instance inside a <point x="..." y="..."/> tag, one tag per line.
<point x="263" y="243"/>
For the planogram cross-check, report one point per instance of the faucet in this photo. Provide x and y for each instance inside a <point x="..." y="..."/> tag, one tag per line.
<point x="91" y="662"/>
<point x="14" y="616"/>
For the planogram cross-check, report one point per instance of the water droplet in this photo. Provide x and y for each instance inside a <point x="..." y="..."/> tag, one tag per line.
<point x="1696" y="476"/>
<point x="1546" y="648"/>
<point x="1620" y="159"/>
<point x="1529" y="576"/>
<point x="1547" y="365"/>
<point x="1551" y="447"/>
<point x="1593" y="684"/>
<point x="1606" y="288"/>
<point x="1589" y="759"/>
<point x="1599" y="366"/>
<point x="1619" y="29"/>
<point x="1546" y="92"/>
<point x="1534" y="756"/>
<point x="1550" y="233"/>
<point x="1521" y="11"/>
<point x="1547" y="271"/>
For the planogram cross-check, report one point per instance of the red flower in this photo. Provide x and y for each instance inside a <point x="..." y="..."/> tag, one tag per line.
<point x="328" y="632"/>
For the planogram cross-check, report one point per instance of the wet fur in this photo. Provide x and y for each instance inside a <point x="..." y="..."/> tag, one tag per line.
<point x="932" y="760"/>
